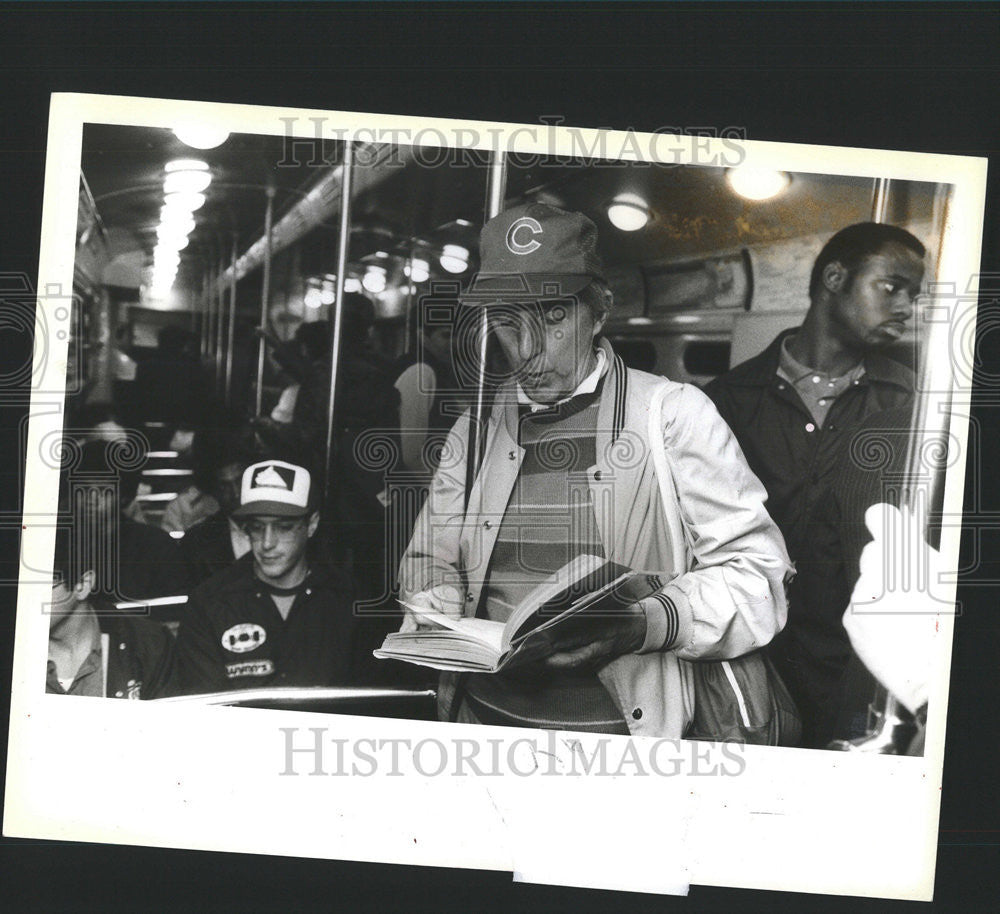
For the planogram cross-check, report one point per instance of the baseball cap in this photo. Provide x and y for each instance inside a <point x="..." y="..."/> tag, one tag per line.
<point x="274" y="487"/>
<point x="535" y="251"/>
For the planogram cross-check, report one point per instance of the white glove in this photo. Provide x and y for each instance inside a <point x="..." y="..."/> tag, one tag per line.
<point x="442" y="598"/>
<point x="893" y="617"/>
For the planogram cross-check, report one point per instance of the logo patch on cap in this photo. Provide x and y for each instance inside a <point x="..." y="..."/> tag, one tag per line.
<point x="274" y="477"/>
<point x="274" y="487"/>
<point x="244" y="637"/>
<point x="524" y="228"/>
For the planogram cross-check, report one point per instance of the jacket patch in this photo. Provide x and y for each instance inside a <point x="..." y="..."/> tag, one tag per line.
<point x="249" y="668"/>
<point x="247" y="636"/>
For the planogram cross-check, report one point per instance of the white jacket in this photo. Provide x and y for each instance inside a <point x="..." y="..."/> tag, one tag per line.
<point x="728" y="601"/>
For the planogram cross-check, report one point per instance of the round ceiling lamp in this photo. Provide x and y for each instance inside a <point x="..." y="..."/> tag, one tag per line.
<point x="417" y="269"/>
<point x="755" y="183"/>
<point x="200" y="135"/>
<point x="454" y="258"/>
<point x="374" y="279"/>
<point x="629" y="212"/>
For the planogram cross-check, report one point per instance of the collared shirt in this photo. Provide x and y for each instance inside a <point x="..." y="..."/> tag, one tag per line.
<point x="587" y="386"/>
<point x="793" y="455"/>
<point x="817" y="389"/>
<point x="90" y="678"/>
<point x="239" y="540"/>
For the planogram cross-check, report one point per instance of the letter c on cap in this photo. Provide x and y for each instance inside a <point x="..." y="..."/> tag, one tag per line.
<point x="523" y="247"/>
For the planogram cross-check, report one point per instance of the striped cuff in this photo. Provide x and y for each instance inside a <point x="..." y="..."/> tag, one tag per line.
<point x="662" y="623"/>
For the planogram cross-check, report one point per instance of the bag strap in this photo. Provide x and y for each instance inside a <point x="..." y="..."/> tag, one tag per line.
<point x="679" y="535"/>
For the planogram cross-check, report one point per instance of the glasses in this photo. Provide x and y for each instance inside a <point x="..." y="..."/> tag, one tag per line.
<point x="510" y="317"/>
<point x="281" y="529"/>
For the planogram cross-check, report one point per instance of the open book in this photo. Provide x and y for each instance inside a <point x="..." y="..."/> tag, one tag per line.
<point x="579" y="596"/>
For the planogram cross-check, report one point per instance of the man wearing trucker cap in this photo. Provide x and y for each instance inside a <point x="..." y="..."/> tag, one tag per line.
<point x="567" y="470"/>
<point x="272" y="618"/>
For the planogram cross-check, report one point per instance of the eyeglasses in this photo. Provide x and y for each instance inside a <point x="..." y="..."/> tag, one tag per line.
<point x="282" y="529"/>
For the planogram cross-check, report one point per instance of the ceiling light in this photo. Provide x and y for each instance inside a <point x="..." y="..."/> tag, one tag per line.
<point x="172" y="242"/>
<point x="418" y="270"/>
<point x="193" y="182"/>
<point x="328" y="294"/>
<point x="185" y="203"/>
<point x="171" y="230"/>
<point x="374" y="280"/>
<point x="455" y="258"/>
<point x="313" y="297"/>
<point x="201" y="136"/>
<point x="185" y="165"/>
<point x="628" y="212"/>
<point x="352" y="284"/>
<point x="757" y="183"/>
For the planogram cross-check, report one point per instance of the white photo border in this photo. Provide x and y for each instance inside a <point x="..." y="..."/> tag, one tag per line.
<point x="201" y="778"/>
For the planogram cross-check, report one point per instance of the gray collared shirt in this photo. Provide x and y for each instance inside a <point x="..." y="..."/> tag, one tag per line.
<point x="816" y="389"/>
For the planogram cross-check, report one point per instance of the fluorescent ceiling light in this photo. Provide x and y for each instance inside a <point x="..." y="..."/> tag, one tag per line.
<point x="193" y="182"/>
<point x="184" y="203"/>
<point x="185" y="165"/>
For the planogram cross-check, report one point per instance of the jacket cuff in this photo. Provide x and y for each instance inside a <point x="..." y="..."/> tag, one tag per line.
<point x="668" y="621"/>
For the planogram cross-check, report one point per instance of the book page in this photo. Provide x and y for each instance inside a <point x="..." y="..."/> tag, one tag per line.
<point x="482" y="630"/>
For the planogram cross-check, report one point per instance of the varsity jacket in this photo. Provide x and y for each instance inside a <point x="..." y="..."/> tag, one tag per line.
<point x="730" y="601"/>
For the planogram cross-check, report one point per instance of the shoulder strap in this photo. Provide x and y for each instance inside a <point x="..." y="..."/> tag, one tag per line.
<point x="668" y="490"/>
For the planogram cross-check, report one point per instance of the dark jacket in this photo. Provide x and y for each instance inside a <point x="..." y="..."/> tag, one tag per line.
<point x="148" y="564"/>
<point x="799" y="465"/>
<point x="233" y="637"/>
<point x="140" y="656"/>
<point x="794" y="459"/>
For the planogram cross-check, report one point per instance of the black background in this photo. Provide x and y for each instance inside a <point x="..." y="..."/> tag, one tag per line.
<point x="895" y="76"/>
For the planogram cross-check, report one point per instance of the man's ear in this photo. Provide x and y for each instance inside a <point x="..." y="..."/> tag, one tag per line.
<point x="601" y="317"/>
<point x="313" y="522"/>
<point x="85" y="586"/>
<point x="834" y="276"/>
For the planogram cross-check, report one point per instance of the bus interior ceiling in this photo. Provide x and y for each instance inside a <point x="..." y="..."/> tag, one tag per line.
<point x="706" y="281"/>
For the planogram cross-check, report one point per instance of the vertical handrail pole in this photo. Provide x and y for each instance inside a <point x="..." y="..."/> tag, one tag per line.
<point x="496" y="188"/>
<point x="220" y="338"/>
<point x="343" y="244"/>
<point x="230" y="337"/>
<point x="265" y="294"/>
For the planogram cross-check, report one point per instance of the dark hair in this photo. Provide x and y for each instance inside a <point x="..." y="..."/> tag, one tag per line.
<point x="357" y="317"/>
<point x="852" y="244"/>
<point x="314" y="337"/>
<point x="219" y="445"/>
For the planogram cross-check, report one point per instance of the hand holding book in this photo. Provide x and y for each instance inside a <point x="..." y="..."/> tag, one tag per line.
<point x="587" y="613"/>
<point x="442" y="599"/>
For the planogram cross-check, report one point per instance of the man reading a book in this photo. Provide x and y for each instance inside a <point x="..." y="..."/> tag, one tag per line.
<point x="567" y="471"/>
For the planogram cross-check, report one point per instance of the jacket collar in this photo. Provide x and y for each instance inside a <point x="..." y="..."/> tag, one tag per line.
<point x="761" y="370"/>
<point x="611" y="412"/>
